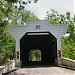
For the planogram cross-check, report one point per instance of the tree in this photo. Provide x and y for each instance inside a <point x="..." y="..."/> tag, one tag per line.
<point x="8" y="14"/>
<point x="22" y="1"/>
<point x="68" y="42"/>
<point x="20" y="16"/>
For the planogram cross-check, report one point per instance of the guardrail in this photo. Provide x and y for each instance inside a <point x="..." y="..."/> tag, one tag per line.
<point x="68" y="62"/>
<point x="8" y="67"/>
<point x="11" y="66"/>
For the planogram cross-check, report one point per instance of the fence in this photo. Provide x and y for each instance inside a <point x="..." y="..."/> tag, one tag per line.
<point x="68" y="62"/>
<point x="8" y="67"/>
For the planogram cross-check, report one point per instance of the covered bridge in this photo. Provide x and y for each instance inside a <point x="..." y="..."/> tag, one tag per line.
<point x="38" y="43"/>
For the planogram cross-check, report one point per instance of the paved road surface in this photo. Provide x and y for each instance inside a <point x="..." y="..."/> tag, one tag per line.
<point x="43" y="71"/>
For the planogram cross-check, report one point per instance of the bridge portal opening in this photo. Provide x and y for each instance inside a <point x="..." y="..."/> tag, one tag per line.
<point x="35" y="55"/>
<point x="38" y="49"/>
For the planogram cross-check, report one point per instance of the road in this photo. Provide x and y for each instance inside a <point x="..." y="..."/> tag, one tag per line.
<point x="43" y="71"/>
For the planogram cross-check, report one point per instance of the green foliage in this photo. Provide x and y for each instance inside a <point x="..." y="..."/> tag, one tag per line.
<point x="7" y="46"/>
<point x="20" y="16"/>
<point x="22" y="1"/>
<point x="3" y="31"/>
<point x="68" y="46"/>
<point x="10" y="14"/>
<point x="68" y="42"/>
<point x="35" y="55"/>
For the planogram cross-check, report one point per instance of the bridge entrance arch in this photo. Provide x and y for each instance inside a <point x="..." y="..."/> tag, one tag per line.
<point x="38" y="48"/>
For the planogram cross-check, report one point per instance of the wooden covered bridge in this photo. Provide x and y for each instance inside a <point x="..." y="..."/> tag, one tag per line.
<point x="38" y="43"/>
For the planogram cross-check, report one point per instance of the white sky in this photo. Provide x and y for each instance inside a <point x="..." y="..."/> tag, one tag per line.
<point x="61" y="6"/>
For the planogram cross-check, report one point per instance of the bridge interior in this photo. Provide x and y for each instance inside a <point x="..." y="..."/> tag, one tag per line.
<point x="38" y="49"/>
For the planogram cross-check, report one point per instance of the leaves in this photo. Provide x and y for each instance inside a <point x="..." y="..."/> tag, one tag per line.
<point x="12" y="14"/>
<point x="68" y="42"/>
<point x="13" y="1"/>
<point x="20" y="16"/>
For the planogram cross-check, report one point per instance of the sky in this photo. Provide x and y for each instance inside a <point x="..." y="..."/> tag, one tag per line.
<point x="43" y="6"/>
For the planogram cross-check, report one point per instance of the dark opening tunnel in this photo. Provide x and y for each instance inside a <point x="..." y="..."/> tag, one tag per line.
<point x="45" y="42"/>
